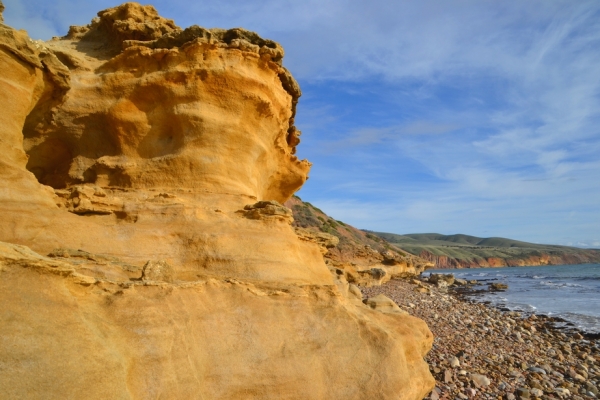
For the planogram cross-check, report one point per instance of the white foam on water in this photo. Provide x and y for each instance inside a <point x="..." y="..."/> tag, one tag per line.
<point x="571" y="292"/>
<point x="561" y="284"/>
<point x="583" y="322"/>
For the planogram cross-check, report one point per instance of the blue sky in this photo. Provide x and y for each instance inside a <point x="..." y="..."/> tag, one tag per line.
<point x="479" y="117"/>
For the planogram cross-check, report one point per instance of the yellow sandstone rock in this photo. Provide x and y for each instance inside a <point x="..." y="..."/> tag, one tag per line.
<point x="62" y="337"/>
<point x="149" y="164"/>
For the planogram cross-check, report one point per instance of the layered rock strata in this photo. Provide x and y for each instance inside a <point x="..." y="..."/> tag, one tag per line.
<point x="144" y="251"/>
<point x="465" y="251"/>
<point x="526" y="259"/>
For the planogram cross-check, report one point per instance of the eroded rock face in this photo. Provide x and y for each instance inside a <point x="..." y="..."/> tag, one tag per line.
<point x="147" y="98"/>
<point x="29" y="75"/>
<point x="132" y="120"/>
<point x="363" y="258"/>
<point x="149" y="164"/>
<point x="207" y="339"/>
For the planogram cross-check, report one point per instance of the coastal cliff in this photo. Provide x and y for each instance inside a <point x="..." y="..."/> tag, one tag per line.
<point x="144" y="250"/>
<point x="464" y="251"/>
<point x="521" y="260"/>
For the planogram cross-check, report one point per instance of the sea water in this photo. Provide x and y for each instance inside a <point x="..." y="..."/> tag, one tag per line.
<point x="571" y="292"/>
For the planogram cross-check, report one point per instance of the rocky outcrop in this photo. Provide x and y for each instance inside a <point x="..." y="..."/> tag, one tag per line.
<point x="174" y="134"/>
<point x="144" y="250"/>
<point x="324" y="240"/>
<point x="365" y="259"/>
<point x="66" y="334"/>
<point x="29" y="75"/>
<point x="441" y="279"/>
<point x="147" y="96"/>
<point x="384" y="304"/>
<point x="268" y="210"/>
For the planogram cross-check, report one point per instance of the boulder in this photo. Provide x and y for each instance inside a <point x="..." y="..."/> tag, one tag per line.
<point x="384" y="304"/>
<point x="267" y="210"/>
<point x="498" y="287"/>
<point x="444" y="279"/>
<point x="157" y="271"/>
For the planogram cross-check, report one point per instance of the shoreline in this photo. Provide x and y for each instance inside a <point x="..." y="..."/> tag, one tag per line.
<point x="576" y="285"/>
<point x="482" y="352"/>
<point x="442" y="269"/>
<point x="484" y="266"/>
<point x="469" y="294"/>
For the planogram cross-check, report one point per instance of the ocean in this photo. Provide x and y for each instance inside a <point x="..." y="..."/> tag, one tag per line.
<point x="570" y="292"/>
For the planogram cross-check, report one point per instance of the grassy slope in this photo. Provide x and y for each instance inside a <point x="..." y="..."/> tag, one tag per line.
<point x="308" y="216"/>
<point x="356" y="247"/>
<point x="471" y="249"/>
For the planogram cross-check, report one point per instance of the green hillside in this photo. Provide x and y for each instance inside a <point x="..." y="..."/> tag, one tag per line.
<point x="456" y="251"/>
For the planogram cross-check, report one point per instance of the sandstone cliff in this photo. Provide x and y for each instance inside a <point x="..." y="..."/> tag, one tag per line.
<point x="144" y="253"/>
<point x="363" y="258"/>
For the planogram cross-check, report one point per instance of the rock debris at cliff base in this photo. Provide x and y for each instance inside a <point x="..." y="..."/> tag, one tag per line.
<point x="480" y="352"/>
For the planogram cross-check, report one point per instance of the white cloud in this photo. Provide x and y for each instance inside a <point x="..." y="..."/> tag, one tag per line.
<point x="515" y="85"/>
<point x="367" y="136"/>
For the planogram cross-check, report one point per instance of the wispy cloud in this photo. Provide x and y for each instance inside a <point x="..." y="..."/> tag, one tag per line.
<point x="427" y="115"/>
<point x="368" y="136"/>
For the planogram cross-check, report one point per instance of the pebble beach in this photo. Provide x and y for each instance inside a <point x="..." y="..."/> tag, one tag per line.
<point x="480" y="352"/>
